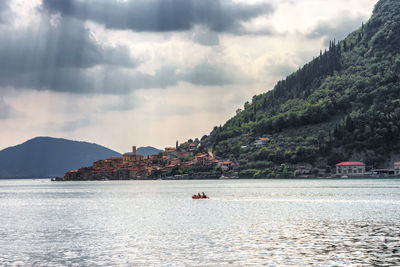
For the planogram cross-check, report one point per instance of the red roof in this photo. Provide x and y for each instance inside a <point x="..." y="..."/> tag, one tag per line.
<point x="351" y="163"/>
<point x="170" y="166"/>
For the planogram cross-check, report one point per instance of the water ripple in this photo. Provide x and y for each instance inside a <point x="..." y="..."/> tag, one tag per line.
<point x="157" y="224"/>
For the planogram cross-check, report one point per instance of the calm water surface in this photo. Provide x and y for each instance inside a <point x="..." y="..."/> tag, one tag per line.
<point x="246" y="222"/>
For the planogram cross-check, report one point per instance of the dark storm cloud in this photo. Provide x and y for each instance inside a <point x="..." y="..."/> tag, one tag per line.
<point x="119" y="81"/>
<point x="161" y="15"/>
<point x="337" y="29"/>
<point x="68" y="44"/>
<point x="58" y="57"/>
<point x="102" y="81"/>
<point x="64" y="56"/>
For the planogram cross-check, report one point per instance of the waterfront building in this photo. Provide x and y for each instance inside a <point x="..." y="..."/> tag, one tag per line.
<point x="350" y="168"/>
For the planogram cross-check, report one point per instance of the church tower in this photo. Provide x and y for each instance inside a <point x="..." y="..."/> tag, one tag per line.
<point x="134" y="150"/>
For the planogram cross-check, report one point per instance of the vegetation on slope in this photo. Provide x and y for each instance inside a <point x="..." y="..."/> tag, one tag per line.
<point x="345" y="102"/>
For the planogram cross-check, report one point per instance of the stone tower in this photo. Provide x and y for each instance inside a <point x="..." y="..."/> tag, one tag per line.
<point x="134" y="150"/>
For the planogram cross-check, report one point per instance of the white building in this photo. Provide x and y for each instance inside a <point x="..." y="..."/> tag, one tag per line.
<point x="350" y="168"/>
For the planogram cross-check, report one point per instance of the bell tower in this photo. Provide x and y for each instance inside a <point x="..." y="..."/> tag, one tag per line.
<point x="134" y="150"/>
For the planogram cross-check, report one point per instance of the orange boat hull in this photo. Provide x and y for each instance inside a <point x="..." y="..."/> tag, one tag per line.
<point x="197" y="197"/>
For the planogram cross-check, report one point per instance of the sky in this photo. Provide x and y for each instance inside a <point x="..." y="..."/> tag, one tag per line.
<point x="149" y="72"/>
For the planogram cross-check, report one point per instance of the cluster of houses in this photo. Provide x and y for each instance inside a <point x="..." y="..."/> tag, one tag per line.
<point x="134" y="166"/>
<point x="185" y="156"/>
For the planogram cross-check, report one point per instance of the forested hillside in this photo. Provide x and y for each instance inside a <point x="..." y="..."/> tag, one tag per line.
<point x="343" y="105"/>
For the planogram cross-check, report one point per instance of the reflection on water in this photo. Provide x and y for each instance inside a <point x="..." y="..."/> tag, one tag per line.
<point x="246" y="222"/>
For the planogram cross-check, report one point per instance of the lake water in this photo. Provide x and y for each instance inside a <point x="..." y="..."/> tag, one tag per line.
<point x="156" y="223"/>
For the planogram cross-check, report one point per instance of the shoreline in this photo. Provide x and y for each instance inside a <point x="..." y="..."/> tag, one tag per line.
<point x="59" y="179"/>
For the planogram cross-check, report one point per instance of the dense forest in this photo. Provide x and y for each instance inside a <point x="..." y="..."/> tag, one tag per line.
<point x="343" y="105"/>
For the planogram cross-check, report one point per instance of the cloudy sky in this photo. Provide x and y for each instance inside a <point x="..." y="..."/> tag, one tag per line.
<point x="150" y="72"/>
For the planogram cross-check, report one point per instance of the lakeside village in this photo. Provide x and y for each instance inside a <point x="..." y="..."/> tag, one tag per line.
<point x="187" y="161"/>
<point x="180" y="162"/>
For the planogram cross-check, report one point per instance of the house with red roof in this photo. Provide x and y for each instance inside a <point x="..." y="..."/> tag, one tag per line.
<point x="175" y="161"/>
<point x="153" y="157"/>
<point x="187" y="163"/>
<point x="171" y="152"/>
<point x="261" y="141"/>
<point x="201" y="159"/>
<point x="212" y="161"/>
<point x="353" y="168"/>
<point x="226" y="165"/>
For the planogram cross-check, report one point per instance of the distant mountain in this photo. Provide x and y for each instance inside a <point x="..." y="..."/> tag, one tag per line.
<point x="43" y="157"/>
<point x="148" y="150"/>
<point x="344" y="105"/>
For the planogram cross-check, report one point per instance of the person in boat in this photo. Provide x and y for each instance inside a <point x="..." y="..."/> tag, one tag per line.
<point x="199" y="195"/>
<point x="203" y="195"/>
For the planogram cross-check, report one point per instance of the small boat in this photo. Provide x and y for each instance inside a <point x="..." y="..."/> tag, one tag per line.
<point x="199" y="197"/>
